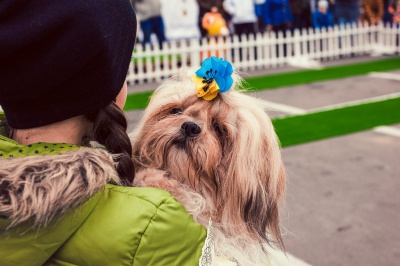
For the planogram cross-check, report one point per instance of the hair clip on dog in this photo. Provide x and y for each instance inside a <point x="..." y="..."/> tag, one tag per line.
<point x="214" y="76"/>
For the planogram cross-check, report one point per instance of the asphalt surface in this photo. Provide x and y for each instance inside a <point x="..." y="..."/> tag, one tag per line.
<point x="343" y="198"/>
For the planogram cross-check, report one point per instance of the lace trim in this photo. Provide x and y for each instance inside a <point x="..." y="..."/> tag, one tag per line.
<point x="207" y="255"/>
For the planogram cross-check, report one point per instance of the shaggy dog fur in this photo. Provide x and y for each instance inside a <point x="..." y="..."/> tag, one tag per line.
<point x="220" y="158"/>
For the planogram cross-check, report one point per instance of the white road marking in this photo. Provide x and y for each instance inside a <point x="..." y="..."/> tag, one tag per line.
<point x="387" y="130"/>
<point x="391" y="131"/>
<point x="283" y="108"/>
<point x="356" y="102"/>
<point x="385" y="75"/>
<point x="304" y="62"/>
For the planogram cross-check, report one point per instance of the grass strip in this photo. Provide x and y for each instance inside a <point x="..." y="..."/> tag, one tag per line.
<point x="300" y="129"/>
<point x="140" y="100"/>
<point x="309" y="76"/>
<point x="161" y="58"/>
<point x="137" y="101"/>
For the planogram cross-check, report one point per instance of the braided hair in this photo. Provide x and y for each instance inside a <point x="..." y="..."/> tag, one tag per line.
<point x="109" y="129"/>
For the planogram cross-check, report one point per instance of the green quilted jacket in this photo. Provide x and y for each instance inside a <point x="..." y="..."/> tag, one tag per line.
<point x="58" y="206"/>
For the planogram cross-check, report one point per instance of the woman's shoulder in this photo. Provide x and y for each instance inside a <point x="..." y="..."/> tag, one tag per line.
<point x="142" y="204"/>
<point x="145" y="195"/>
<point x="147" y="225"/>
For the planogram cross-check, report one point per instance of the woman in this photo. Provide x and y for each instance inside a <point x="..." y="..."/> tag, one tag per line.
<point x="347" y="11"/>
<point x="277" y="15"/>
<point x="394" y="10"/>
<point x="243" y="16"/>
<point x="301" y="12"/>
<point x="373" y="11"/>
<point x="65" y="157"/>
<point x="151" y="20"/>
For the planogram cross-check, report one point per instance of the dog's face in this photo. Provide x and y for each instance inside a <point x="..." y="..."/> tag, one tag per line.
<point x="226" y="149"/>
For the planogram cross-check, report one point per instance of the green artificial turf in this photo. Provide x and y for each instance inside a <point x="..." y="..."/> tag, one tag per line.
<point x="308" y="76"/>
<point x="315" y="126"/>
<point x="140" y="100"/>
<point x="161" y="58"/>
<point x="137" y="101"/>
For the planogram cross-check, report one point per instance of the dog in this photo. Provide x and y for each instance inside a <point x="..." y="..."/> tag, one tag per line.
<point x="219" y="157"/>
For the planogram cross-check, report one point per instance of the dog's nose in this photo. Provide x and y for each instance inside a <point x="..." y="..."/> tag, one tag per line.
<point x="190" y="129"/>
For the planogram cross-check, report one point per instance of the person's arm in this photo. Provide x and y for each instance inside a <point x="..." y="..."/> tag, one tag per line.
<point x="367" y="10"/>
<point x="288" y="13"/>
<point x="229" y="7"/>
<point x="330" y="19"/>
<point x="373" y="14"/>
<point x="267" y="16"/>
<point x="380" y="12"/>
<point x="315" y="21"/>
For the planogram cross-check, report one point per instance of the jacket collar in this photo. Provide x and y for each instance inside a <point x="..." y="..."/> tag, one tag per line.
<point x="39" y="187"/>
<point x="12" y="149"/>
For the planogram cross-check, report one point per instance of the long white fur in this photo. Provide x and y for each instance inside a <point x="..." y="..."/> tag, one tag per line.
<point x="251" y="128"/>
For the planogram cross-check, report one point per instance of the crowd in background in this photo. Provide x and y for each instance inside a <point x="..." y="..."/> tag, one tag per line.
<point x="183" y="19"/>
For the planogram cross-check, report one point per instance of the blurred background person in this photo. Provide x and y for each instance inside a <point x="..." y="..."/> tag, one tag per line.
<point x="394" y="9"/>
<point x="387" y="16"/>
<point x="243" y="15"/>
<point x="151" y="21"/>
<point x="258" y="9"/>
<point x="277" y="15"/>
<point x="214" y="24"/>
<point x="301" y="12"/>
<point x="206" y="6"/>
<point x="314" y="6"/>
<point x="347" y="11"/>
<point x="181" y="19"/>
<point x="322" y="17"/>
<point x="372" y="11"/>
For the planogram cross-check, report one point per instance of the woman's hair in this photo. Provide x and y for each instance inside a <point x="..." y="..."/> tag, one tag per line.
<point x="5" y="129"/>
<point x="109" y="129"/>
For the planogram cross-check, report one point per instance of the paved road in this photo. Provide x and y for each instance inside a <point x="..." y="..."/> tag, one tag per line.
<point x="343" y="198"/>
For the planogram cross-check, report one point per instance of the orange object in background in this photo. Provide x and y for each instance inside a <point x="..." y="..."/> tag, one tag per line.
<point x="215" y="24"/>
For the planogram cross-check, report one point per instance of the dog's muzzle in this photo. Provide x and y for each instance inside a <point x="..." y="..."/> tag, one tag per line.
<point x="190" y="129"/>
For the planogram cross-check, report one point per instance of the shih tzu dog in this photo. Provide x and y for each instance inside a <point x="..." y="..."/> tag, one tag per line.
<point x="215" y="149"/>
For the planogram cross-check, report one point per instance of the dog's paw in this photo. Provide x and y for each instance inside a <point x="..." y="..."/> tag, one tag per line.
<point x="149" y="178"/>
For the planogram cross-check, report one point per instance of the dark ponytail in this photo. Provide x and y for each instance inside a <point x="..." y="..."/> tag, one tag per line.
<point x="5" y="129"/>
<point x="109" y="129"/>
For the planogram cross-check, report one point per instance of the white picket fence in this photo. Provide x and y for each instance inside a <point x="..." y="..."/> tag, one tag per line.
<point x="302" y="48"/>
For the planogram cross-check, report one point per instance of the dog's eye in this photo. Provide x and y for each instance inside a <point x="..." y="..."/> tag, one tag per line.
<point x="218" y="129"/>
<point x="176" y="111"/>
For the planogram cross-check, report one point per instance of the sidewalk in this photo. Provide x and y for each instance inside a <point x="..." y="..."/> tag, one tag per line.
<point x="342" y="198"/>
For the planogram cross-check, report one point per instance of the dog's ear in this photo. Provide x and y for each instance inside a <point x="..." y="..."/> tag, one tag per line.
<point x="254" y="177"/>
